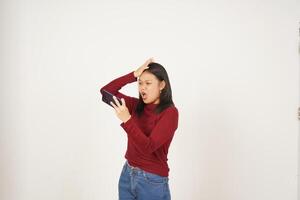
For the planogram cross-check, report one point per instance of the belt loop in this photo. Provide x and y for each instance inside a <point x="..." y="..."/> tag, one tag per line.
<point x="129" y="168"/>
<point x="144" y="174"/>
<point x="167" y="179"/>
<point x="128" y="165"/>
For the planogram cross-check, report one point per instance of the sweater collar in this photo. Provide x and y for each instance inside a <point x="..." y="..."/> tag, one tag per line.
<point x="151" y="106"/>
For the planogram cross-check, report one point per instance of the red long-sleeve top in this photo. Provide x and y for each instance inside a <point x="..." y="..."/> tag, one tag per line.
<point x="149" y="136"/>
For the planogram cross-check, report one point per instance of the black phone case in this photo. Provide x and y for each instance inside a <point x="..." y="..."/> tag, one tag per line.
<point x="107" y="97"/>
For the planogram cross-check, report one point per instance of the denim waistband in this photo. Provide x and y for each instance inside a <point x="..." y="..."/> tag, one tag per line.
<point x="131" y="167"/>
<point x="135" y="170"/>
<point x="138" y="171"/>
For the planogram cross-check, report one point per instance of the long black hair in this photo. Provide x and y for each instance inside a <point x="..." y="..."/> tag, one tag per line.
<point x="166" y="94"/>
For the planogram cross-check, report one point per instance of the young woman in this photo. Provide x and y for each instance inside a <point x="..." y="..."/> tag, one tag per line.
<point x="150" y="122"/>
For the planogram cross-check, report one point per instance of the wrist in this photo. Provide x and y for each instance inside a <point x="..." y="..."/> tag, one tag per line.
<point x="124" y="121"/>
<point x="134" y="74"/>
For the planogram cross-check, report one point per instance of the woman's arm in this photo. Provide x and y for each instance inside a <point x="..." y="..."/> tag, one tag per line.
<point x="116" y="85"/>
<point x="161" y="133"/>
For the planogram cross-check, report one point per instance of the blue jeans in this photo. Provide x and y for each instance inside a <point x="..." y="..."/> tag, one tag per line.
<point x="137" y="184"/>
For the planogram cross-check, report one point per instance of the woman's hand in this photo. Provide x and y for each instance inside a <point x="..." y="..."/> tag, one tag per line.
<point x="121" y="110"/>
<point x="140" y="70"/>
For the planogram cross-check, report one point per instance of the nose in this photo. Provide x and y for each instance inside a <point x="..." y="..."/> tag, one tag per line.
<point x="143" y="88"/>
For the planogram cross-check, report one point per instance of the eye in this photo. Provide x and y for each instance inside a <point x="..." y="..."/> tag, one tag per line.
<point x="148" y="83"/>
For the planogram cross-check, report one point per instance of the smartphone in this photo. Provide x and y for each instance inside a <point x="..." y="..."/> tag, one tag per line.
<point x="107" y="97"/>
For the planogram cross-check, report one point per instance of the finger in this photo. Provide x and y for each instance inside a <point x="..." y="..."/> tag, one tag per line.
<point x="147" y="62"/>
<point x="113" y="105"/>
<point x="116" y="100"/>
<point x="146" y="66"/>
<point x="123" y="102"/>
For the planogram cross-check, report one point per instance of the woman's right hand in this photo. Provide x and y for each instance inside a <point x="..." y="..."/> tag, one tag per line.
<point x="140" y="70"/>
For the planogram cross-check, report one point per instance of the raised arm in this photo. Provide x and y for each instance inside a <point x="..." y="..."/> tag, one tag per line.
<point x="115" y="86"/>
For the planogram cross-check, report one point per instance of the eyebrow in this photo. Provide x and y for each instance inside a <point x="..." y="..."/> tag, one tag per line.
<point x="145" y="80"/>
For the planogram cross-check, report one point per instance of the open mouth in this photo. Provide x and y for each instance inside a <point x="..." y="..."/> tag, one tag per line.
<point x="144" y="95"/>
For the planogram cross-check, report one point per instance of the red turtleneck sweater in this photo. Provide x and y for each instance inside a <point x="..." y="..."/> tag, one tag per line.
<point x="149" y="136"/>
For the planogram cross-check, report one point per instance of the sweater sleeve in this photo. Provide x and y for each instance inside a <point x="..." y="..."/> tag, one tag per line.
<point x="161" y="133"/>
<point x="115" y="85"/>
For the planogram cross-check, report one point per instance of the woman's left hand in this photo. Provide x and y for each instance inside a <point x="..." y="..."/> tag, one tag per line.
<point x="121" y="110"/>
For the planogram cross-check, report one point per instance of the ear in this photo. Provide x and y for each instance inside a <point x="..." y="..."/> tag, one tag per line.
<point x="162" y="85"/>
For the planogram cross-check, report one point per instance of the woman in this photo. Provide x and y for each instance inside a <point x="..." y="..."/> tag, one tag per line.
<point x="150" y="123"/>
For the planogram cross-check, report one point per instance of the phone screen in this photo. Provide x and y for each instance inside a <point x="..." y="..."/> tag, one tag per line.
<point x="107" y="97"/>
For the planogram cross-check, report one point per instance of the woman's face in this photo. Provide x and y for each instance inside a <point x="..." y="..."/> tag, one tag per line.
<point x="149" y="87"/>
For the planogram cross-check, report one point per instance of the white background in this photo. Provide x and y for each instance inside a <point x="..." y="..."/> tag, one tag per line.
<point x="233" y="67"/>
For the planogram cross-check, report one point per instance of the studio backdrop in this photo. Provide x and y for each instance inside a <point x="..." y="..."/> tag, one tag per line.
<point x="234" y="72"/>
